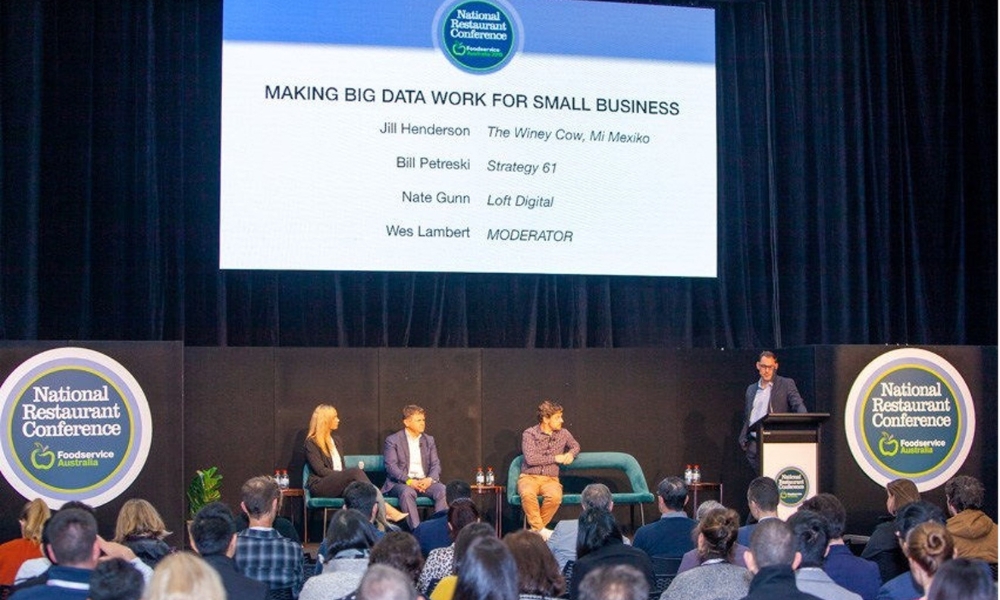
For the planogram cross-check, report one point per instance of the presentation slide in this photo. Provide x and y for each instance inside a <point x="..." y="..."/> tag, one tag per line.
<point x="481" y="136"/>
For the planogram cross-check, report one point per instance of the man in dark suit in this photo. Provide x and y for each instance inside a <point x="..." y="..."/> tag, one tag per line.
<point x="412" y="466"/>
<point x="213" y="536"/>
<point x="670" y="536"/>
<point x="769" y="394"/>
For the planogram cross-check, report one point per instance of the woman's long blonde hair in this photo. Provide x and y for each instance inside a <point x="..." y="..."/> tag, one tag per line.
<point x="139" y="518"/>
<point x="34" y="515"/>
<point x="320" y="426"/>
<point x="184" y="576"/>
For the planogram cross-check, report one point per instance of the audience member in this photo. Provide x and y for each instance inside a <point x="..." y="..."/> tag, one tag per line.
<point x="904" y="586"/>
<point x="441" y="562"/>
<point x="141" y="528"/>
<point x="810" y="529"/>
<point x="600" y="544"/>
<point x="538" y="574"/>
<point x="213" y="536"/>
<point x="73" y="550"/>
<point x="116" y="579"/>
<point x="401" y="551"/>
<point x="562" y="542"/>
<point x="692" y="558"/>
<point x="433" y="533"/>
<point x="412" y="466"/>
<point x="856" y="574"/>
<point x="184" y="576"/>
<point x="883" y="546"/>
<point x="348" y="541"/>
<point x="773" y="558"/>
<point x="445" y="588"/>
<point x="974" y="533"/>
<point x="716" y="541"/>
<point x="544" y="446"/>
<point x="927" y="547"/>
<point x="261" y="552"/>
<point x="962" y="578"/>
<point x="762" y="496"/>
<point x="670" y="536"/>
<point x="616" y="582"/>
<point x="382" y="582"/>
<point x="487" y="572"/>
<point x="29" y="545"/>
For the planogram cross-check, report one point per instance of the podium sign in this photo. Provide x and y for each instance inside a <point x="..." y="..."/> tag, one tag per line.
<point x="789" y="454"/>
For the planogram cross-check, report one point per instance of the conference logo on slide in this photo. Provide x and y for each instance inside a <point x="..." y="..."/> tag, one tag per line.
<point x="793" y="486"/>
<point x="910" y="415"/>
<point x="76" y="426"/>
<point x="478" y="36"/>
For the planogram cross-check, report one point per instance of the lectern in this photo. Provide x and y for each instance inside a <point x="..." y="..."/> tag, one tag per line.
<point x="789" y="453"/>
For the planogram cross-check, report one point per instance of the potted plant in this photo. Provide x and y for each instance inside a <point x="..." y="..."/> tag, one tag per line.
<point x="204" y="488"/>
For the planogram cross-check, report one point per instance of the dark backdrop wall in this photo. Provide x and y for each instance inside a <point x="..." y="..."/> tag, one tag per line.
<point x="857" y="195"/>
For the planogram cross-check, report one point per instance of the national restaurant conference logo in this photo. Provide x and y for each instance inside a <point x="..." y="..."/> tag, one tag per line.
<point x="910" y="415"/>
<point x="77" y="427"/>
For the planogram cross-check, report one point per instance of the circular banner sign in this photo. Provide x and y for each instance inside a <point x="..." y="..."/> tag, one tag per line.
<point x="478" y="36"/>
<point x="910" y="415"/>
<point x="793" y="486"/>
<point x="76" y="426"/>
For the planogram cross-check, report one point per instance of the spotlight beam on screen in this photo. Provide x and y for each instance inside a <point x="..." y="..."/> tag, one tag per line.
<point x="485" y="136"/>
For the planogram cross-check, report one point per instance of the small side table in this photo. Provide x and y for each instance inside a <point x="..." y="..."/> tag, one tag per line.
<point x="497" y="491"/>
<point x="301" y="495"/>
<point x="695" y="488"/>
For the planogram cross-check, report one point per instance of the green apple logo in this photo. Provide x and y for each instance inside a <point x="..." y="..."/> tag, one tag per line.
<point x="42" y="458"/>
<point x="458" y="49"/>
<point x="888" y="445"/>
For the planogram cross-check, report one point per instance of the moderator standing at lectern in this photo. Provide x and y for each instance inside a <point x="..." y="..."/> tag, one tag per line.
<point x="771" y="393"/>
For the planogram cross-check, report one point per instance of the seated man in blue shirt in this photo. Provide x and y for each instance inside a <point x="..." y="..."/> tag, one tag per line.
<point x="857" y="574"/>
<point x="670" y="536"/>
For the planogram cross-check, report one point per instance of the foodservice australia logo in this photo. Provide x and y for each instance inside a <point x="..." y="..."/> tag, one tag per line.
<point x="910" y="415"/>
<point x="76" y="427"/>
<point x="793" y="486"/>
<point x="478" y="36"/>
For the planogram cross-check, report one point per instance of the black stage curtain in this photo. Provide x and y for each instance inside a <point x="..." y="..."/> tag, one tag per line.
<point x="857" y="195"/>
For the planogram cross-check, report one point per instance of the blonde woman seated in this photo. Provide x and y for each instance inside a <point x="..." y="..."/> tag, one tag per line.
<point x="142" y="530"/>
<point x="184" y="576"/>
<point x="716" y="539"/>
<point x="28" y="546"/>
<point x="329" y="475"/>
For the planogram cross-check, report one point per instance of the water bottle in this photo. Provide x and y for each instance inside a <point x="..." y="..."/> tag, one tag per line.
<point x="480" y="478"/>
<point x="490" y="477"/>
<point x="277" y="477"/>
<point x="361" y="465"/>
<point x="283" y="482"/>
<point x="696" y="474"/>
<point x="688" y="475"/>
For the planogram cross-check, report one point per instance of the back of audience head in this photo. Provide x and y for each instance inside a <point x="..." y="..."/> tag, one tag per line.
<point x="362" y="497"/>
<point x="964" y="493"/>
<point x="212" y="529"/>
<point x="260" y="496"/>
<point x="962" y="578"/>
<point x="469" y="534"/>
<point x="486" y="572"/>
<point x="928" y="546"/>
<point x="706" y="506"/>
<point x="618" y="582"/>
<point x="772" y="543"/>
<point x="348" y="530"/>
<point x="673" y="493"/>
<point x="537" y="569"/>
<point x="716" y="532"/>
<point x="33" y="516"/>
<point x="116" y="579"/>
<point x="597" y="529"/>
<point x="401" y="551"/>
<point x="832" y="510"/>
<point x="596" y="495"/>
<point x="810" y="529"/>
<point x="139" y="518"/>
<point x="382" y="582"/>
<point x="763" y="492"/>
<point x="899" y="493"/>
<point x="184" y="576"/>
<point x="461" y="512"/>
<point x="913" y="514"/>
<point x="456" y="489"/>
<point x="72" y="536"/>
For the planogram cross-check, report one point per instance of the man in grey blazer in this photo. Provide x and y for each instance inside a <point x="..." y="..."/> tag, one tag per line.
<point x="769" y="394"/>
<point x="412" y="466"/>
